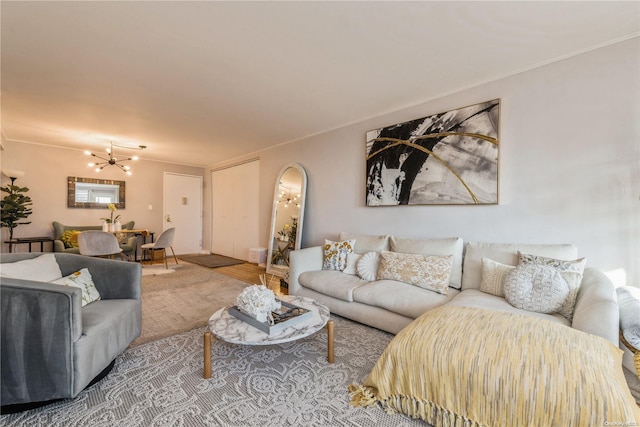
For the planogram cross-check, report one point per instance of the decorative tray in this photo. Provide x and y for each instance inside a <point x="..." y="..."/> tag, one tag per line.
<point x="286" y="316"/>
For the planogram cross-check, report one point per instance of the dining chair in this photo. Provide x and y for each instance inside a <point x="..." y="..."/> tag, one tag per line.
<point x="164" y="241"/>
<point x="98" y="243"/>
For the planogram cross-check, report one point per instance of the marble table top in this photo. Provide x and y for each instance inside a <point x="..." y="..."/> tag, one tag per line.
<point x="228" y="328"/>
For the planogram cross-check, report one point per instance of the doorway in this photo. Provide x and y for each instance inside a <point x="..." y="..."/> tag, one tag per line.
<point x="182" y="209"/>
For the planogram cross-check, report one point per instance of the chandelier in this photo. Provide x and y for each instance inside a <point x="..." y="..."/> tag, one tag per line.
<point x="286" y="197"/>
<point x="111" y="160"/>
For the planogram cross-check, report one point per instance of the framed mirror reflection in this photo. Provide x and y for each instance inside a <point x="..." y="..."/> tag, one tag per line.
<point x="94" y="193"/>
<point x="287" y="218"/>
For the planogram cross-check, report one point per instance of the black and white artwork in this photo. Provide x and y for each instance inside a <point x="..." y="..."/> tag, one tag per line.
<point x="444" y="159"/>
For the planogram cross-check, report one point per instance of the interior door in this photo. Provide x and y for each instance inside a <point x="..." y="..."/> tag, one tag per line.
<point x="183" y="210"/>
<point x="235" y="197"/>
<point x="222" y="190"/>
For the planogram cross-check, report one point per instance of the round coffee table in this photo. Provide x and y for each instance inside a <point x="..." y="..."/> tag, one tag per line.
<point x="226" y="327"/>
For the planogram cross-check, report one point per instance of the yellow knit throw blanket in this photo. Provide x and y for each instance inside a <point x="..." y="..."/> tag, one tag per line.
<point x="463" y="366"/>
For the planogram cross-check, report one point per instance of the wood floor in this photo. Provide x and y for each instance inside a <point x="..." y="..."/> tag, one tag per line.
<point x="250" y="273"/>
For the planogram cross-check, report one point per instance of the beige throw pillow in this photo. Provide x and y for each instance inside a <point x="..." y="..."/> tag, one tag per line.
<point x="425" y="271"/>
<point x="571" y="271"/>
<point x="536" y="287"/>
<point x="493" y="274"/>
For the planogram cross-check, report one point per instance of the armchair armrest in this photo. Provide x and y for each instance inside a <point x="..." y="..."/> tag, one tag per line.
<point x="301" y="260"/>
<point x="40" y="323"/>
<point x="596" y="310"/>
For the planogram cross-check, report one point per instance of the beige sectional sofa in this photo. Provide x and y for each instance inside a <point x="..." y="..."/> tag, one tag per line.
<point x="391" y="305"/>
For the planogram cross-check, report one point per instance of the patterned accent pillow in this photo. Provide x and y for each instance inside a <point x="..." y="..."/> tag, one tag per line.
<point x="493" y="274"/>
<point x="536" y="287"/>
<point x="335" y="254"/>
<point x="425" y="271"/>
<point x="81" y="279"/>
<point x="368" y="266"/>
<point x="572" y="272"/>
<point x="352" y="263"/>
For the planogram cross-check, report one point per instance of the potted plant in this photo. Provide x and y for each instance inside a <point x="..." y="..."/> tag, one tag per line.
<point x="112" y="223"/>
<point x="15" y="206"/>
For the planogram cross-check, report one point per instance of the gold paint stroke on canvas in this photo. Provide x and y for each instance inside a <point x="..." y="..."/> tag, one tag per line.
<point x="395" y="142"/>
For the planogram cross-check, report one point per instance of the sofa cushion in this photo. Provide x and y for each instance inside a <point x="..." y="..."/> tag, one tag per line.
<point x="335" y="254"/>
<point x="368" y="266"/>
<point x="476" y="298"/>
<point x="571" y="271"/>
<point x="81" y="279"/>
<point x="451" y="246"/>
<point x="401" y="298"/>
<point x="365" y="243"/>
<point x="332" y="283"/>
<point x="41" y="269"/>
<point x="506" y="253"/>
<point x="493" y="277"/>
<point x="426" y="271"/>
<point x="536" y="287"/>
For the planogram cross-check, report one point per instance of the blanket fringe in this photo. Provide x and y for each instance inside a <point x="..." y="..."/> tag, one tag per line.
<point x="433" y="414"/>
<point x="361" y="395"/>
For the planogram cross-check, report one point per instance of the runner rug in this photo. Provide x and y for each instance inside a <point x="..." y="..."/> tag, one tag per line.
<point x="210" y="260"/>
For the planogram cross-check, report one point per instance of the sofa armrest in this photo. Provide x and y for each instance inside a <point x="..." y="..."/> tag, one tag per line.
<point x="58" y="246"/>
<point x="596" y="310"/>
<point x="301" y="260"/>
<point x="40" y="323"/>
<point x="113" y="279"/>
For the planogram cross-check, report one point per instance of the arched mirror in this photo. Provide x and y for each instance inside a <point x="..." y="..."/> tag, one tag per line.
<point x="286" y="218"/>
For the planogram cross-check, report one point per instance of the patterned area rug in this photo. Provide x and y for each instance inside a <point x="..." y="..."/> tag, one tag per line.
<point x="160" y="384"/>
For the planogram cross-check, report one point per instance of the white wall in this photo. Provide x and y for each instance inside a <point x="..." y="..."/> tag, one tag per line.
<point x="569" y="166"/>
<point x="47" y="169"/>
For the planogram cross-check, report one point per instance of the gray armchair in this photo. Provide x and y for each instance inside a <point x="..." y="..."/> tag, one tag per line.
<point x="52" y="347"/>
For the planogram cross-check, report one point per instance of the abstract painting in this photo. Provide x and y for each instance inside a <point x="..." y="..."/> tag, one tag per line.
<point x="449" y="158"/>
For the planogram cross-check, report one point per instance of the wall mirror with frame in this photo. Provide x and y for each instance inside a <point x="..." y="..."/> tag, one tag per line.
<point x="287" y="218"/>
<point x="94" y="193"/>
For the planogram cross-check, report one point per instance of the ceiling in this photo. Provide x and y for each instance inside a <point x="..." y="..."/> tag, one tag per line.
<point x="201" y="83"/>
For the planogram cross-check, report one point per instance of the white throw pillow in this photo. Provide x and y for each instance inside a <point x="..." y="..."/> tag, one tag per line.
<point x="430" y="272"/>
<point x="493" y="274"/>
<point x="335" y="254"/>
<point x="536" y="287"/>
<point x="352" y="263"/>
<point x="571" y="271"/>
<point x="41" y="269"/>
<point x="81" y="279"/>
<point x="368" y="266"/>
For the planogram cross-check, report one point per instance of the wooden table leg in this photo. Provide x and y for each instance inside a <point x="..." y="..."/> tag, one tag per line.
<point x="207" y="355"/>
<point x="330" y="341"/>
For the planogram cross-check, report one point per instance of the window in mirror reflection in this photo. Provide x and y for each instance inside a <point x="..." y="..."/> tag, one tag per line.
<point x="96" y="193"/>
